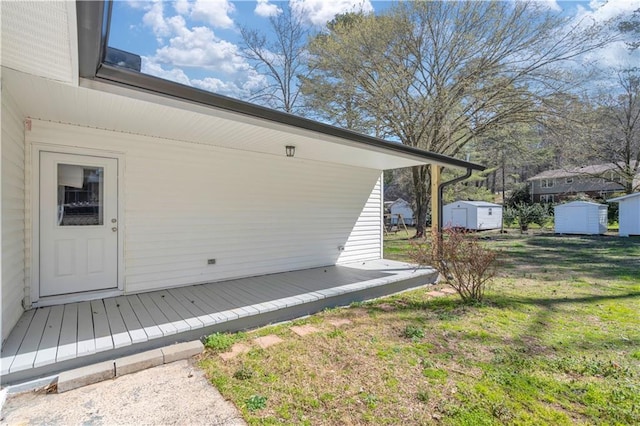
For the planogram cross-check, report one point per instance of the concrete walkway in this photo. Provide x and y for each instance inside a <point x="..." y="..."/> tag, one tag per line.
<point x="171" y="394"/>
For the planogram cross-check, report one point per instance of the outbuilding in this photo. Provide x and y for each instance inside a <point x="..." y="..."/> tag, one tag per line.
<point x="580" y="217"/>
<point x="401" y="208"/>
<point x="473" y="215"/>
<point x="629" y="214"/>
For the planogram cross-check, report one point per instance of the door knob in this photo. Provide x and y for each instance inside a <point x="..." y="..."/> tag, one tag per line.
<point x="114" y="229"/>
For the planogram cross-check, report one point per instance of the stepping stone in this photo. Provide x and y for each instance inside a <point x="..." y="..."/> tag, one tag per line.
<point x="448" y="291"/>
<point x="339" y="322"/>
<point x="266" y="341"/>
<point x="435" y="293"/>
<point x="236" y="349"/>
<point x="303" y="330"/>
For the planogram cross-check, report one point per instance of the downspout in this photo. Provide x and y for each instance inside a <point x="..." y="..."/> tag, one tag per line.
<point x="441" y="192"/>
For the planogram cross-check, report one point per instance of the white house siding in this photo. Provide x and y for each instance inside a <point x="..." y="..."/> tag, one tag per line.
<point x="255" y="214"/>
<point x="13" y="213"/>
<point x="364" y="242"/>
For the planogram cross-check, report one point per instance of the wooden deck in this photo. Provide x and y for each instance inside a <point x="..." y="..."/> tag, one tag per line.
<point x="51" y="339"/>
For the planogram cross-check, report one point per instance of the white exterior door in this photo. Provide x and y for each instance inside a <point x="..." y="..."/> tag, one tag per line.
<point x="78" y="223"/>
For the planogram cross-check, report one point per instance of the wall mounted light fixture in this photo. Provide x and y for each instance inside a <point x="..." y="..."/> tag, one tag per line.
<point x="291" y="150"/>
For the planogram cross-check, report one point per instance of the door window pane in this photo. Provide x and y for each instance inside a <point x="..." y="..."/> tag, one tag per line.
<point x="80" y="199"/>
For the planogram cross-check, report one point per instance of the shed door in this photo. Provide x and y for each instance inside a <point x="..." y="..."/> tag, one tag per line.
<point x="459" y="218"/>
<point x="78" y="223"/>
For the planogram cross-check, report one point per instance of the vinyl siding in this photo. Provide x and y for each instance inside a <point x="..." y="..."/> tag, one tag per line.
<point x="364" y="241"/>
<point x="13" y="224"/>
<point x="255" y="214"/>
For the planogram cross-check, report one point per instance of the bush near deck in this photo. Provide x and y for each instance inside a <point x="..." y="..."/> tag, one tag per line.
<point x="557" y="341"/>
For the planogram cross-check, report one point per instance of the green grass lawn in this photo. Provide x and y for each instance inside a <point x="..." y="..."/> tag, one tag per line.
<point x="557" y="341"/>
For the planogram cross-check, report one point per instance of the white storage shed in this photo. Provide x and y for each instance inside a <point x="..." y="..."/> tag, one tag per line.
<point x="580" y="217"/>
<point x="629" y="214"/>
<point x="401" y="207"/>
<point x="474" y="215"/>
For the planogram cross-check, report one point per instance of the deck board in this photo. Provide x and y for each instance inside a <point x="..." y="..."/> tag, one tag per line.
<point x="189" y="304"/>
<point x="119" y="331"/>
<point x="101" y="329"/>
<point x="178" y="321"/>
<point x="48" y="348"/>
<point x="27" y="353"/>
<point x="149" y="327"/>
<point x="68" y="345"/>
<point x="156" y="314"/>
<point x="13" y="342"/>
<point x="222" y="312"/>
<point x="77" y="333"/>
<point x="131" y="322"/>
<point x="86" y="338"/>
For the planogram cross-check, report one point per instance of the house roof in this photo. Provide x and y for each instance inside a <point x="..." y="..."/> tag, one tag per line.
<point x="625" y="197"/>
<point x="595" y="169"/>
<point x="580" y="203"/>
<point x="399" y="201"/>
<point x="477" y="203"/>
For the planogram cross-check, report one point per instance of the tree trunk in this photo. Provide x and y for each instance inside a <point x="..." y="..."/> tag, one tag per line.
<point x="421" y="189"/>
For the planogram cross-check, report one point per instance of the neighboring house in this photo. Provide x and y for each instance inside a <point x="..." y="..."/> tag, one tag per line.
<point x="403" y="208"/>
<point x="553" y="186"/>
<point x="628" y="214"/>
<point x="580" y="217"/>
<point x="117" y="183"/>
<point x="473" y="215"/>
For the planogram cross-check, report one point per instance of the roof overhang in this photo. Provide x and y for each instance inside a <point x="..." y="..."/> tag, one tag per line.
<point x="114" y="98"/>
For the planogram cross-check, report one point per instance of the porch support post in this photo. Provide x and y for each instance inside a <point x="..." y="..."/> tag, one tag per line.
<point x="435" y="198"/>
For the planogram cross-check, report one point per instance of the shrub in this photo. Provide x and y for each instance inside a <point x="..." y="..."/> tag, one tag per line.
<point x="243" y="373"/>
<point x="219" y="342"/>
<point x="527" y="214"/>
<point x="466" y="264"/>
<point x="509" y="215"/>
<point x="412" y="332"/>
<point x="256" y="402"/>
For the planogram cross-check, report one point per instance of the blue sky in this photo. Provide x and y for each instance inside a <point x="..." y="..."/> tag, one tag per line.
<point x="196" y="42"/>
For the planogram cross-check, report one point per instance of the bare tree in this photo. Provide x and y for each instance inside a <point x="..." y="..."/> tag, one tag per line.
<point x="631" y="26"/>
<point x="438" y="75"/>
<point x="281" y="57"/>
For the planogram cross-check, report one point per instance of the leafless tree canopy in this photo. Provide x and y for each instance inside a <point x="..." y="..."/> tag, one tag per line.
<point x="437" y="75"/>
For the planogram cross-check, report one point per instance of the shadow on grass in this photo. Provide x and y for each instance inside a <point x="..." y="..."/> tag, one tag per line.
<point x="587" y="256"/>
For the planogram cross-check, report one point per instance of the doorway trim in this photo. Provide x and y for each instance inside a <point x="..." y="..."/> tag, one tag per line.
<point x="34" y="218"/>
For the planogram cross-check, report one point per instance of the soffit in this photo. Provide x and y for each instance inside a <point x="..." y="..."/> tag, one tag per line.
<point x="36" y="38"/>
<point x="152" y="115"/>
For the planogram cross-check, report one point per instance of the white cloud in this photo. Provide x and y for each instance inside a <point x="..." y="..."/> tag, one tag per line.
<point x="600" y="11"/>
<point x="615" y="55"/>
<point x="319" y="12"/>
<point x="266" y="9"/>
<point x="183" y="7"/>
<point x="550" y="4"/>
<point x="154" y="18"/>
<point x="198" y="47"/>
<point x="240" y="88"/>
<point x="149" y="66"/>
<point x="213" y="12"/>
